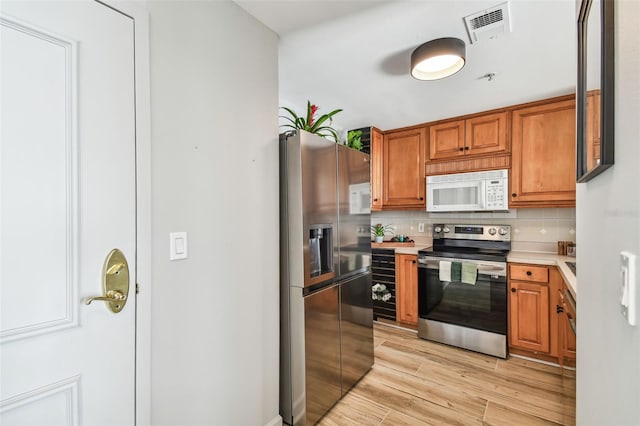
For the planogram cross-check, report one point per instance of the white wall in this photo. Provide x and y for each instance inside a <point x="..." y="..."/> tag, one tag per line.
<point x="215" y="321"/>
<point x="608" y="221"/>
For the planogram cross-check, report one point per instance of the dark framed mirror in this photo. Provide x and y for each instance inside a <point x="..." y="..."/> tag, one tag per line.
<point x="595" y="88"/>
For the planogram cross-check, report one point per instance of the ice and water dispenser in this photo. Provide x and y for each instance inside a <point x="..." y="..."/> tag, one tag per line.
<point x="320" y="250"/>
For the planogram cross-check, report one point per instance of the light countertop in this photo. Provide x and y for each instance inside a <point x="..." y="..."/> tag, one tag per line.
<point x="548" y="259"/>
<point x="409" y="250"/>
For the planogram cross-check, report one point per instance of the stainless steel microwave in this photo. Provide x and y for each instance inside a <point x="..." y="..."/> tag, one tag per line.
<point x="475" y="191"/>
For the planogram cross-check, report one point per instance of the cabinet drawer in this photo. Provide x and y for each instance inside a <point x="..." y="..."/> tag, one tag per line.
<point x="539" y="274"/>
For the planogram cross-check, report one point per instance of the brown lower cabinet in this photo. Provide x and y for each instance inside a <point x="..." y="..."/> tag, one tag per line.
<point x="533" y="325"/>
<point x="529" y="316"/>
<point x="407" y="288"/>
<point x="566" y="313"/>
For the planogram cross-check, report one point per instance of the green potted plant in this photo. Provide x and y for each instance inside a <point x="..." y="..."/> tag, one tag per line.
<point x="354" y="139"/>
<point x="310" y="123"/>
<point x="379" y="230"/>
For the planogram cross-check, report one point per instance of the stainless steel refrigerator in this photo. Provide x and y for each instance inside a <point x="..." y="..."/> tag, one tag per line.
<point x="326" y="310"/>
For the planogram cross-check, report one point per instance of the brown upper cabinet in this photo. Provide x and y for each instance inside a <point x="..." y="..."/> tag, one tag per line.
<point x="483" y="134"/>
<point x="397" y="170"/>
<point x="376" y="169"/>
<point x="543" y="168"/>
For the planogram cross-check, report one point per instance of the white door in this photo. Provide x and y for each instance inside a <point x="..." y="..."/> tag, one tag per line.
<point x="67" y="170"/>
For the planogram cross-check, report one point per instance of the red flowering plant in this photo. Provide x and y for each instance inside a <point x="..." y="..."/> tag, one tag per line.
<point x="310" y="123"/>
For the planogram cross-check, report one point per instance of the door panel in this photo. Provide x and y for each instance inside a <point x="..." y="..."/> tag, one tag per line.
<point x="356" y="329"/>
<point x="529" y="316"/>
<point x="377" y="165"/>
<point x="543" y="153"/>
<point x="68" y="198"/>
<point x="407" y="288"/>
<point x="446" y="140"/>
<point x="354" y="207"/>
<point x="38" y="169"/>
<point x="403" y="173"/>
<point x="486" y="134"/>
<point x="322" y="349"/>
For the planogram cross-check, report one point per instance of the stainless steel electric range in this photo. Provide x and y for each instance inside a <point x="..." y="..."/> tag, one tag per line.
<point x="462" y="287"/>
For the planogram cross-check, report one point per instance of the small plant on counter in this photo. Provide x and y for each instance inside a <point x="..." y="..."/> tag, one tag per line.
<point x="310" y="123"/>
<point x="380" y="292"/>
<point x="379" y="231"/>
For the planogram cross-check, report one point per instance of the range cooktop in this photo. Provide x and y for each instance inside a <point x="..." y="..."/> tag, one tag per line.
<point x="467" y="253"/>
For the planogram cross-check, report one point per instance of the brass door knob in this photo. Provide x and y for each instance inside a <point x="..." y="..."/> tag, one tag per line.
<point x="115" y="282"/>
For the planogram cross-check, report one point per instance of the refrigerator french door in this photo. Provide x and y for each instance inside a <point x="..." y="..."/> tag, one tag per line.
<point x="325" y="275"/>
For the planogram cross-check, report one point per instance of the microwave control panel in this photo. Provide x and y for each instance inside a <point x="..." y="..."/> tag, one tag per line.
<point x="496" y="190"/>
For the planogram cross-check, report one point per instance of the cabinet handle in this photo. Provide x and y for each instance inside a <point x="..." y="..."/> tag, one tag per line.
<point x="375" y="199"/>
<point x="528" y="273"/>
<point x="559" y="309"/>
<point x="514" y="194"/>
<point x="461" y="149"/>
<point x="413" y="261"/>
<point x="466" y="148"/>
<point x="421" y="198"/>
<point x="513" y="289"/>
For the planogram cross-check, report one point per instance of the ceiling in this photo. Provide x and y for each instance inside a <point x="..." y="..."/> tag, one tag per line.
<point x="355" y="55"/>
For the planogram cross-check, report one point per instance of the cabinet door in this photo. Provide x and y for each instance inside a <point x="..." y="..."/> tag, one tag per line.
<point x="407" y="288"/>
<point x="569" y="342"/>
<point x="543" y="171"/>
<point x="403" y="169"/>
<point x="567" y="335"/>
<point x="529" y="316"/>
<point x="486" y="134"/>
<point x="356" y="329"/>
<point x="446" y="140"/>
<point x="377" y="154"/>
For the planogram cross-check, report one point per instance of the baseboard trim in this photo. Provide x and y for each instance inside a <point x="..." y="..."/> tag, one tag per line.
<point x="276" y="421"/>
<point x="399" y="327"/>
<point x="539" y="361"/>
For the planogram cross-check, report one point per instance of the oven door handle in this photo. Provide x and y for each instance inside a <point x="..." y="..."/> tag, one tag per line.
<point x="479" y="265"/>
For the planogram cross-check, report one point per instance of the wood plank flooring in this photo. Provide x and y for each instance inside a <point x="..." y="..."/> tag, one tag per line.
<point x="417" y="382"/>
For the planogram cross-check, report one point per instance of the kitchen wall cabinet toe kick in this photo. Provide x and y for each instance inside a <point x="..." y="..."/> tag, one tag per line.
<point x="538" y="327"/>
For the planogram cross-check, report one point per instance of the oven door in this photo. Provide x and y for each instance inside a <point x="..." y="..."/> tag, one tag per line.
<point x="466" y="195"/>
<point x="482" y="306"/>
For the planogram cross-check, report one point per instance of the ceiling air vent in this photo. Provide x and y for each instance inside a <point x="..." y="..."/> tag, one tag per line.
<point x="488" y="23"/>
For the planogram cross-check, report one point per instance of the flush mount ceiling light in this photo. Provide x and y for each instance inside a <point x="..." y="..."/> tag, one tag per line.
<point x="438" y="58"/>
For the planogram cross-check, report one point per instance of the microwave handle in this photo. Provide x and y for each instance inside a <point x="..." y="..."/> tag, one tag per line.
<point x="482" y="199"/>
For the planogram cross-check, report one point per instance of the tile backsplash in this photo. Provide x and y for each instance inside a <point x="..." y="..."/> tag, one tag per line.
<point x="532" y="229"/>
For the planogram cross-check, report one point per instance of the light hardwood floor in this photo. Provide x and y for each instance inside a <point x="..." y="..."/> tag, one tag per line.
<point x="417" y="382"/>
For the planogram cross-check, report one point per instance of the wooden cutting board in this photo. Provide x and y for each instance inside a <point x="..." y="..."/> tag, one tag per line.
<point x="392" y="244"/>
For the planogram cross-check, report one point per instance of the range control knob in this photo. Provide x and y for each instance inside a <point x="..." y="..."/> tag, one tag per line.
<point x="503" y="231"/>
<point x="437" y="229"/>
<point x="492" y="231"/>
<point x="445" y="230"/>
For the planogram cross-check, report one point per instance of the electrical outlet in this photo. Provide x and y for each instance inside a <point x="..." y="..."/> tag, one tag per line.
<point x="421" y="227"/>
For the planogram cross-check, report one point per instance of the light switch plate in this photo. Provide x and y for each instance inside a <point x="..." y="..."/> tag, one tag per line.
<point x="177" y="245"/>
<point x="628" y="286"/>
<point x="421" y="227"/>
